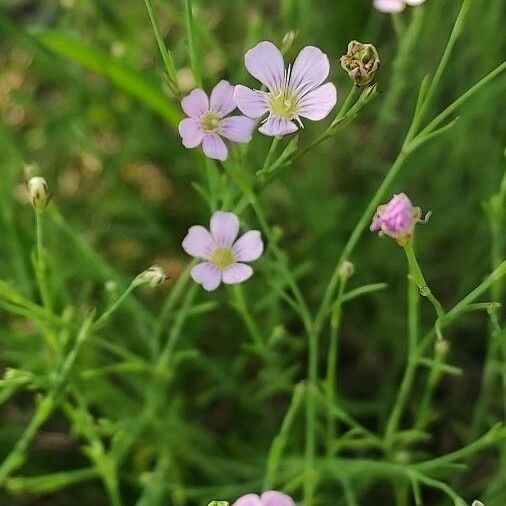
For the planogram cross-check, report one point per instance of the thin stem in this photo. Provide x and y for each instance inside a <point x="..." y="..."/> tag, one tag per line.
<point x="355" y="236"/>
<point x="330" y="378"/>
<point x="280" y="441"/>
<point x="328" y="132"/>
<point x="456" y="31"/>
<point x="411" y="364"/>
<point x="192" y="47"/>
<point x="250" y="323"/>
<point x="166" y="55"/>
<point x="115" y="305"/>
<point x="270" y="154"/>
<point x="41" y="266"/>
<point x="416" y="273"/>
<point x="45" y="406"/>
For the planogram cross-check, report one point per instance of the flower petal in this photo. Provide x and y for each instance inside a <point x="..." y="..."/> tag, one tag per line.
<point x="222" y="98"/>
<point x="214" y="147"/>
<point x="389" y="5"/>
<point x="198" y="242"/>
<point x="265" y="63"/>
<point x="310" y="69"/>
<point x="237" y="273"/>
<point x="250" y="102"/>
<point x="273" y="498"/>
<point x="318" y="103"/>
<point x="248" y="247"/>
<point x="195" y="104"/>
<point x="248" y="500"/>
<point x="207" y="275"/>
<point x="237" y="128"/>
<point x="191" y="132"/>
<point x="277" y="126"/>
<point x="224" y="228"/>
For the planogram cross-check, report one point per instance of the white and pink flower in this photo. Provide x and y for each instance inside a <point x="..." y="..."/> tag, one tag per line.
<point x="208" y="121"/>
<point x="269" y="498"/>
<point x="390" y="6"/>
<point x="223" y="255"/>
<point x="291" y="93"/>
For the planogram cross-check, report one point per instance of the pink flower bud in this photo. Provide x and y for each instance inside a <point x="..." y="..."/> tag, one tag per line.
<point x="397" y="218"/>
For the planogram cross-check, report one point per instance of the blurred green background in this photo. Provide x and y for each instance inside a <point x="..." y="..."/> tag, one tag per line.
<point x="82" y="95"/>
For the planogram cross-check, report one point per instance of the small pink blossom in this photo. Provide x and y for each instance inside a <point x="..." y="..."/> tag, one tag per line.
<point x="292" y="92"/>
<point x="223" y="255"/>
<point x="397" y="218"/>
<point x="395" y="5"/>
<point x="270" y="498"/>
<point x="207" y="122"/>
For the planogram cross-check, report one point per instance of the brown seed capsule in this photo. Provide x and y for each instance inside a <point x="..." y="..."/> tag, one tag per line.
<point x="38" y="192"/>
<point x="361" y="62"/>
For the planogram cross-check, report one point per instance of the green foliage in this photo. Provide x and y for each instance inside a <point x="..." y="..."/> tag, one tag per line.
<point x="387" y="386"/>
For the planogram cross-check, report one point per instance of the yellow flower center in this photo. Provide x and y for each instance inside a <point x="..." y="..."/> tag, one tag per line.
<point x="283" y="104"/>
<point x="210" y="122"/>
<point x="222" y="258"/>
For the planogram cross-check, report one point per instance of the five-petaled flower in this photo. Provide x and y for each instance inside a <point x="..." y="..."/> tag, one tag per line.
<point x="397" y="218"/>
<point x="207" y="122"/>
<point x="269" y="498"/>
<point x="223" y="255"/>
<point x="395" y="5"/>
<point x="291" y="93"/>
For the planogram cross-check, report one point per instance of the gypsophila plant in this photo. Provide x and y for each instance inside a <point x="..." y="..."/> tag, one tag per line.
<point x="282" y="354"/>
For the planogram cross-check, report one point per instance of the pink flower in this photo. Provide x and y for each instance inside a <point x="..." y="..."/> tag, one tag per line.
<point x="395" y="5"/>
<point x="270" y="498"/>
<point x="223" y="255"/>
<point x="397" y="219"/>
<point x="207" y="123"/>
<point x="291" y="93"/>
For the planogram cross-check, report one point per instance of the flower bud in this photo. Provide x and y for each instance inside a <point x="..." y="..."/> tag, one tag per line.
<point x="218" y="503"/>
<point x="288" y="41"/>
<point x="361" y="62"/>
<point x="477" y="503"/>
<point x="38" y="192"/>
<point x="152" y="277"/>
<point x="397" y="218"/>
<point x="442" y="347"/>
<point x="346" y="270"/>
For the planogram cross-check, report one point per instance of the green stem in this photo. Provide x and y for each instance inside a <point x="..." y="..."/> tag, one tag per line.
<point x="166" y="55"/>
<point x="115" y="305"/>
<point x="45" y="406"/>
<point x="192" y="46"/>
<point x="250" y="323"/>
<point x="416" y="274"/>
<point x="328" y="132"/>
<point x="411" y="364"/>
<point x="280" y="441"/>
<point x="41" y="266"/>
<point x="330" y="378"/>
<point x="427" y="99"/>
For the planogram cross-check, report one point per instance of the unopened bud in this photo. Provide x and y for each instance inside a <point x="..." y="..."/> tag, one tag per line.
<point x="288" y="40"/>
<point x="346" y="270"/>
<point x="218" y="503"/>
<point x="152" y="277"/>
<point x="478" y="503"/>
<point x="361" y="62"/>
<point x="38" y="192"/>
<point x="442" y="347"/>
<point x="111" y="286"/>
